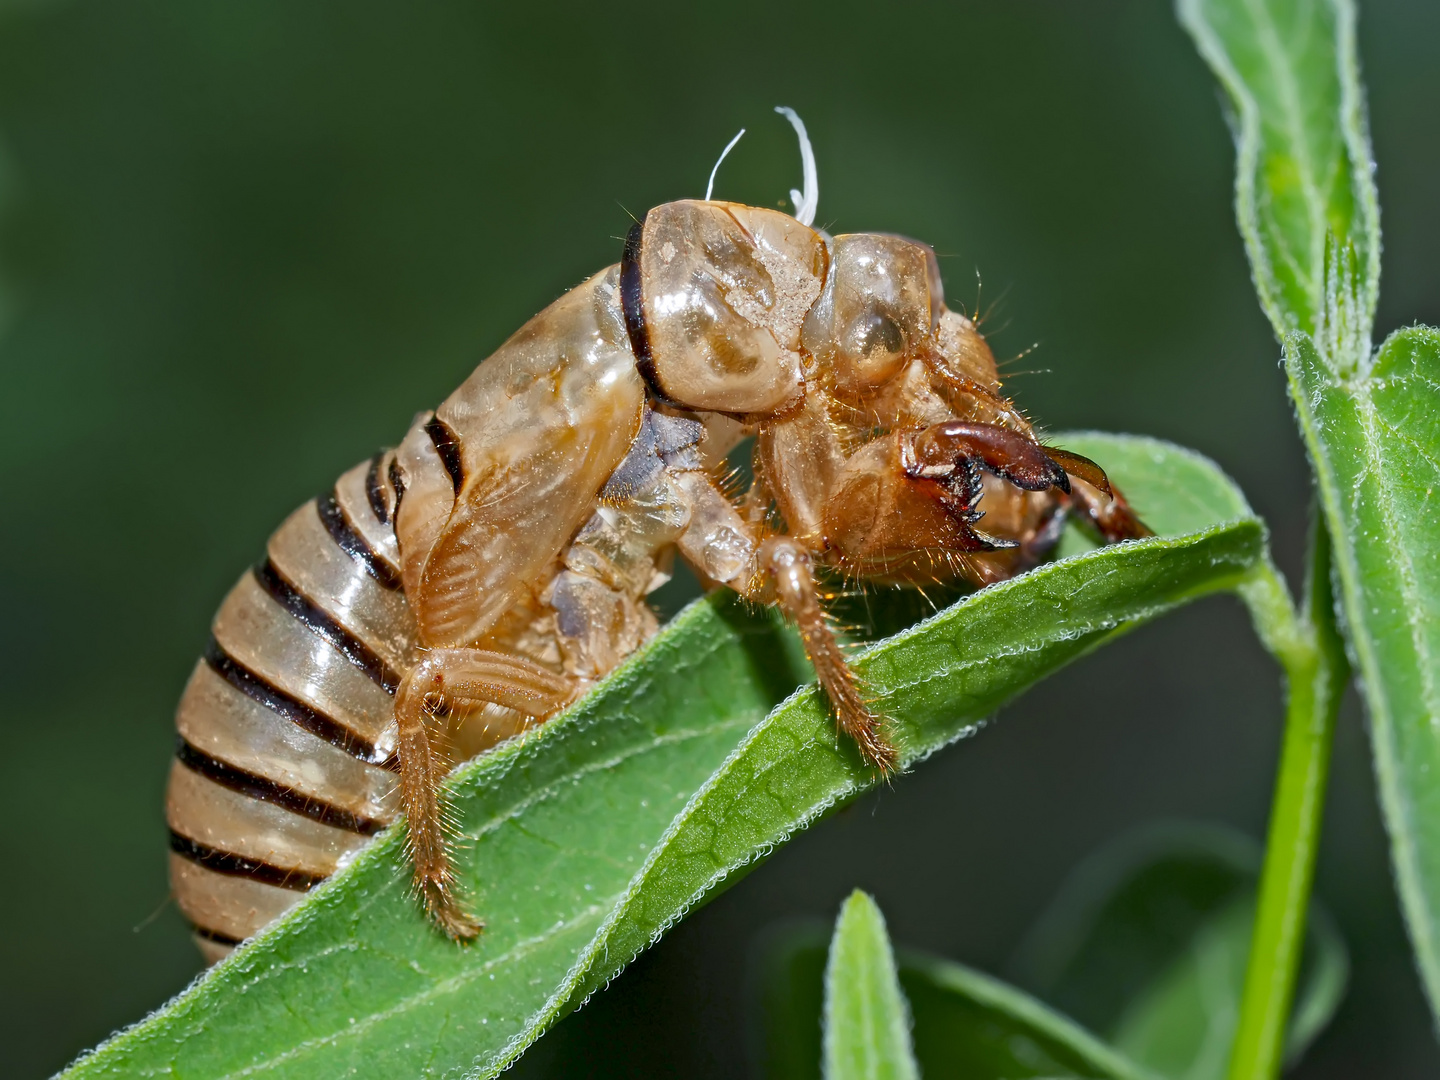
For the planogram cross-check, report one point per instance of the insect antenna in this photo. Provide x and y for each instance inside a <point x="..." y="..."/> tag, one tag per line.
<point x="808" y="200"/>
<point x="710" y="186"/>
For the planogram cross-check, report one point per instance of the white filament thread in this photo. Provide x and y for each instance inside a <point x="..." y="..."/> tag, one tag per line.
<point x="728" y="147"/>
<point x="807" y="201"/>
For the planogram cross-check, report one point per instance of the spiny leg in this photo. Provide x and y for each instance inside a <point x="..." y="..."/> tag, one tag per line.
<point x="786" y="566"/>
<point x="455" y="679"/>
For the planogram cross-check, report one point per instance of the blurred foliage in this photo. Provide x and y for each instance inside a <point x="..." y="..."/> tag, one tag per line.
<point x="1145" y="945"/>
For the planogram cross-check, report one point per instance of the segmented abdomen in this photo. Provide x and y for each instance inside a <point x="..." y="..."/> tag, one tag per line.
<point x="284" y="766"/>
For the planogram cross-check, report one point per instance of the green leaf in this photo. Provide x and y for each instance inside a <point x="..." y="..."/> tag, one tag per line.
<point x="965" y="1023"/>
<point x="588" y="838"/>
<point x="1147" y="944"/>
<point x="1303" y="152"/>
<point x="1307" y="209"/>
<point x="1376" y="445"/>
<point x="867" y="1025"/>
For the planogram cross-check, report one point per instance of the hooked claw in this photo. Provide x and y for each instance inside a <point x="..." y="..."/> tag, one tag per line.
<point x="940" y="451"/>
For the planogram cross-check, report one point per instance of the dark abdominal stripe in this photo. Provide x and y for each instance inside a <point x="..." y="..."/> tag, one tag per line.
<point x="259" y="689"/>
<point x="319" y="622"/>
<point x="447" y="445"/>
<point x="188" y="840"/>
<point x="352" y="543"/>
<point x="374" y="493"/>
<point x="266" y="790"/>
<point x="224" y="862"/>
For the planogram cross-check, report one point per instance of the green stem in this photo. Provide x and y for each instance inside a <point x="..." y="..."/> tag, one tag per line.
<point x="1313" y="656"/>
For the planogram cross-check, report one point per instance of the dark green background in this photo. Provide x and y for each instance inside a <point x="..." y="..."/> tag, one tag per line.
<point x="242" y="244"/>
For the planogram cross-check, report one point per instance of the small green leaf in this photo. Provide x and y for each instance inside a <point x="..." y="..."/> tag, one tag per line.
<point x="867" y="1026"/>
<point x="1303" y="152"/>
<point x="1147" y="945"/>
<point x="587" y="839"/>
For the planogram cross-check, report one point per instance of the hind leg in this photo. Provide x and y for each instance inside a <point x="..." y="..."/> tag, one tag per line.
<point x="448" y="680"/>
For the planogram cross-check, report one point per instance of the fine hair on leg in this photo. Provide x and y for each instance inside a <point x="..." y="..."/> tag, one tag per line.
<point x="455" y="679"/>
<point x="787" y="565"/>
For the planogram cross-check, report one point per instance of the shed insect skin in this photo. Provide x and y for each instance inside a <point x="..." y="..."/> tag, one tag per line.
<point x="449" y="594"/>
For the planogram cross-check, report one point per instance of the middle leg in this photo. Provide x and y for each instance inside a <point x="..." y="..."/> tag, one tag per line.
<point x="787" y="569"/>
<point x="731" y="550"/>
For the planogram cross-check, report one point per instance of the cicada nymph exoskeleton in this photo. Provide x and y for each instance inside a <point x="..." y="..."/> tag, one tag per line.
<point x="476" y="580"/>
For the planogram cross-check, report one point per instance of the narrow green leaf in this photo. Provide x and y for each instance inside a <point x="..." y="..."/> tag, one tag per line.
<point x="1303" y="168"/>
<point x="1376" y="446"/>
<point x="591" y="836"/>
<point x="1147" y="945"/>
<point x="867" y="1022"/>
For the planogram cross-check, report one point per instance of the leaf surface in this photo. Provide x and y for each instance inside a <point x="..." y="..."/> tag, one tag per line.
<point x="589" y="837"/>
<point x="867" y="1020"/>
<point x="1376" y="442"/>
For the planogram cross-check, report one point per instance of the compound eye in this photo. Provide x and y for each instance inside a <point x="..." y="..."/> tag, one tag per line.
<point x="875" y="338"/>
<point x="874" y="312"/>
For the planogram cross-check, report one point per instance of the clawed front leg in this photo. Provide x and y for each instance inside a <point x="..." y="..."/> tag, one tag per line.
<point x="952" y="453"/>
<point x="954" y="449"/>
<point x="448" y="680"/>
<point x="946" y="461"/>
